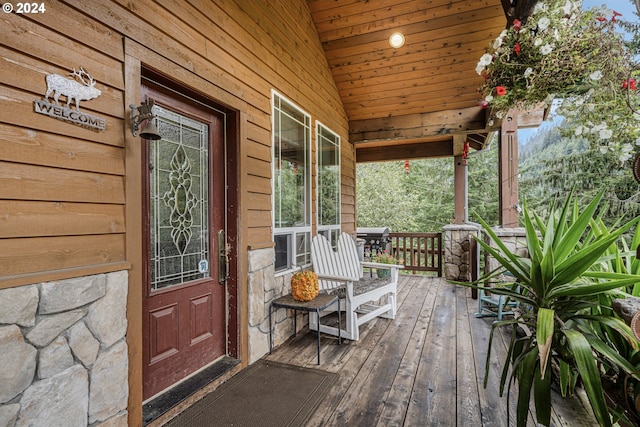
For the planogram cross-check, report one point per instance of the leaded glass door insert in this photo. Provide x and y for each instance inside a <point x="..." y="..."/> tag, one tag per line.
<point x="179" y="200"/>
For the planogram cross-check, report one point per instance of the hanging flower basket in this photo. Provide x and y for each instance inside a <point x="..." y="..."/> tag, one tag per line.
<point x="558" y="51"/>
<point x="575" y="56"/>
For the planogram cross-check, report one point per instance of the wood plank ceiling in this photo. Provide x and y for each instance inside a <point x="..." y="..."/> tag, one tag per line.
<point x="420" y="100"/>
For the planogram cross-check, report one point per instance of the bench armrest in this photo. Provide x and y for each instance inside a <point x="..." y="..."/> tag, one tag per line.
<point x="380" y="265"/>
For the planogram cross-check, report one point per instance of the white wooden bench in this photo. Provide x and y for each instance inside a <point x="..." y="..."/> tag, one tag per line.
<point x="363" y="298"/>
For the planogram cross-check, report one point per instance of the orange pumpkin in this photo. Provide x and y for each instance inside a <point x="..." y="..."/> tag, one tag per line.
<point x="304" y="285"/>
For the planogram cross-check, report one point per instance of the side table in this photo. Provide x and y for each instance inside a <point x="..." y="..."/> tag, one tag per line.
<point x="318" y="304"/>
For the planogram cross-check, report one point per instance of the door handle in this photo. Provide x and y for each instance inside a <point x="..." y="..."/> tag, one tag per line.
<point x="223" y="257"/>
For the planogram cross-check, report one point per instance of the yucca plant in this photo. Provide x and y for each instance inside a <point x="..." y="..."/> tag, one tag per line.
<point x="624" y="387"/>
<point x="560" y="295"/>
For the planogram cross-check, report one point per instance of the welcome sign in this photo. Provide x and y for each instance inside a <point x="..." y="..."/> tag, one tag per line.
<point x="80" y="89"/>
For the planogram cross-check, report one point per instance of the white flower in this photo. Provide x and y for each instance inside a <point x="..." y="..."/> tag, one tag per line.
<point x="566" y="9"/>
<point x="625" y="157"/>
<point x="638" y="141"/>
<point x="596" y="75"/>
<point x="578" y="131"/>
<point x="543" y="23"/>
<point x="540" y="7"/>
<point x="485" y="60"/>
<point x="605" y="133"/>
<point x="546" y="49"/>
<point x="498" y="41"/>
<point x="528" y="72"/>
<point x="626" y="152"/>
<point x="489" y="98"/>
<point x="537" y="41"/>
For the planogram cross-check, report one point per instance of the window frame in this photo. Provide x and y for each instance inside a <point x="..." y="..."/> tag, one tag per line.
<point x="293" y="250"/>
<point x="330" y="231"/>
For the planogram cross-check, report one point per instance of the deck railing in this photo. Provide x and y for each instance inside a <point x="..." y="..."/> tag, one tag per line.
<point x="418" y="251"/>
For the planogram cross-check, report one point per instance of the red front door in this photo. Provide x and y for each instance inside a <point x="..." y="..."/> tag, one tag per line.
<point x="184" y="321"/>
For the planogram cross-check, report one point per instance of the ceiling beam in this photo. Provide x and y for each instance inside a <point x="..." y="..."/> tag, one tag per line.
<point x="404" y="151"/>
<point x="417" y="126"/>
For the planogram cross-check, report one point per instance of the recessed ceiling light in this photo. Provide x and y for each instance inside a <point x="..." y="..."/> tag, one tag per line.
<point x="396" y="40"/>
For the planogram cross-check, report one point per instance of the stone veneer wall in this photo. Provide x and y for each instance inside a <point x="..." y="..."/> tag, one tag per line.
<point x="457" y="258"/>
<point x="63" y="354"/>
<point x="513" y="238"/>
<point x="264" y="287"/>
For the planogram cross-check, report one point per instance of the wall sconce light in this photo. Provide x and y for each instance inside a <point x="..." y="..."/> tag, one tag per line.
<point x="140" y="114"/>
<point x="396" y="40"/>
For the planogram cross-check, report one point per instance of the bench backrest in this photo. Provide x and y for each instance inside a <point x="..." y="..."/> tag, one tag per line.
<point x="344" y="262"/>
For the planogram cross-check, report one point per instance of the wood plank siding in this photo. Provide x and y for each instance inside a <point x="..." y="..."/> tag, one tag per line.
<point x="62" y="187"/>
<point x="71" y="197"/>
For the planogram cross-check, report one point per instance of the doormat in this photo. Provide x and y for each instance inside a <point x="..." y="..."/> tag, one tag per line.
<point x="264" y="394"/>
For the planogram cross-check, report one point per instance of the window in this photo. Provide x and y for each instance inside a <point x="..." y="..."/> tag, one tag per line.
<point x="291" y="184"/>
<point x="328" y="183"/>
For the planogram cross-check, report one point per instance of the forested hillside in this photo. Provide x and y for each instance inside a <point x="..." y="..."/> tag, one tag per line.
<point x="421" y="198"/>
<point x="550" y="166"/>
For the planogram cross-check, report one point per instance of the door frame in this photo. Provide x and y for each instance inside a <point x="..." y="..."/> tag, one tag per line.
<point x="137" y="74"/>
<point x="136" y="59"/>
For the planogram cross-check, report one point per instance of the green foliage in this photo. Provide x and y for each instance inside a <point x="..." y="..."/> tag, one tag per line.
<point x="551" y="165"/>
<point x="421" y="200"/>
<point x="561" y="296"/>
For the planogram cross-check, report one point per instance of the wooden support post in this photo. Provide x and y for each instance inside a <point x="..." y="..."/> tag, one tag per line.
<point x="508" y="171"/>
<point x="460" y="188"/>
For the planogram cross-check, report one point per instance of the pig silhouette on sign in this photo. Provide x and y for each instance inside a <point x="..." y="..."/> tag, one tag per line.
<point x="81" y="90"/>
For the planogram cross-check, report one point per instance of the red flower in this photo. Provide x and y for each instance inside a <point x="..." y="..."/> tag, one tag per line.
<point x="483" y="104"/>
<point x="517" y="48"/>
<point x="615" y="14"/>
<point x="501" y="91"/>
<point x="629" y="84"/>
<point x="517" y="24"/>
<point x="601" y="19"/>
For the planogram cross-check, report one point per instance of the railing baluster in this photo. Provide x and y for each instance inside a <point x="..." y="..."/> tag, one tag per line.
<point x="419" y="251"/>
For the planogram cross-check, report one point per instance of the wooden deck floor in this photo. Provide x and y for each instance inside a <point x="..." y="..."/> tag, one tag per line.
<point x="424" y="368"/>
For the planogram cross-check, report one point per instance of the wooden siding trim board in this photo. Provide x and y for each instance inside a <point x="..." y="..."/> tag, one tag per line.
<point x="60" y="274"/>
<point x="132" y="69"/>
